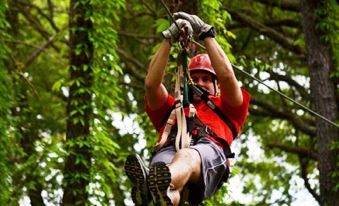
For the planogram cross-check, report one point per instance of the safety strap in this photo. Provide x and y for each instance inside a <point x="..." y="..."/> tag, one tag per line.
<point x="203" y="94"/>
<point x="178" y="117"/>
<point x="205" y="130"/>
<point x="168" y="127"/>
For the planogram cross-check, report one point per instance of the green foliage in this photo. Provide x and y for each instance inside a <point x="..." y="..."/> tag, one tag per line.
<point x="219" y="197"/>
<point x="335" y="174"/>
<point x="5" y="142"/>
<point x="328" y="25"/>
<point x="106" y="91"/>
<point x="162" y="25"/>
<point x="212" y="13"/>
<point x="3" y="34"/>
<point x="5" y="104"/>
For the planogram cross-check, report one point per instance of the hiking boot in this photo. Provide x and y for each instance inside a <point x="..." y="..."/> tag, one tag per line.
<point x="137" y="172"/>
<point x="159" y="183"/>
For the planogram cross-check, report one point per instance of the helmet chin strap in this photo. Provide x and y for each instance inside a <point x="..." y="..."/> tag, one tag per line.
<point x="216" y="91"/>
<point x="215" y="86"/>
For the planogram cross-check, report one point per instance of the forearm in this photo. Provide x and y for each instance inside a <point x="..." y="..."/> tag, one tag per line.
<point x="156" y="69"/>
<point x="155" y="90"/>
<point x="219" y="59"/>
<point x="229" y="87"/>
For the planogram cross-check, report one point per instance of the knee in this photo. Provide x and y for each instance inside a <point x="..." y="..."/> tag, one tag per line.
<point x="191" y="164"/>
<point x="185" y="154"/>
<point x="190" y="156"/>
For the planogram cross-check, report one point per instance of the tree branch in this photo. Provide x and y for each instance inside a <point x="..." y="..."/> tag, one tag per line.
<point x="49" y="19"/>
<point x="303" y="93"/>
<point x="267" y="31"/>
<point x="291" y="5"/>
<point x="283" y="22"/>
<point x="50" y="9"/>
<point x="303" y="168"/>
<point x="134" y="86"/>
<point x="128" y="59"/>
<point x="139" y="36"/>
<point x="149" y="7"/>
<point x="37" y="52"/>
<point x="302" y="152"/>
<point x="36" y="25"/>
<point x="272" y="110"/>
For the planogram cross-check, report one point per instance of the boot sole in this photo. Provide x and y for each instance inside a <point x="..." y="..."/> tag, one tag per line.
<point x="159" y="182"/>
<point x="135" y="172"/>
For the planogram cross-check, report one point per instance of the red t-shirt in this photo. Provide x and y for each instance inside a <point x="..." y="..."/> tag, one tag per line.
<point x="237" y="116"/>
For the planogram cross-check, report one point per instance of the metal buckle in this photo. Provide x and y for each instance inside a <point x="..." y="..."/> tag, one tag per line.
<point x="207" y="129"/>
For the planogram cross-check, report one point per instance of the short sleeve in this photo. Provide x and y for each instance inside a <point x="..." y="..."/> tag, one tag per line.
<point x="239" y="113"/>
<point x="157" y="116"/>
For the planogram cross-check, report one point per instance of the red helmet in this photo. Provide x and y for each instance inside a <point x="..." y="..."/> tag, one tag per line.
<point x="201" y="62"/>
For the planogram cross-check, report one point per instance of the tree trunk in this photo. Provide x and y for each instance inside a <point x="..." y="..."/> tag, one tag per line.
<point x="323" y="96"/>
<point x="79" y="110"/>
<point x="28" y="134"/>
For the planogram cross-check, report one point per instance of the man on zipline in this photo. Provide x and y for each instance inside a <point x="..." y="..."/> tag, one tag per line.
<point x="203" y="165"/>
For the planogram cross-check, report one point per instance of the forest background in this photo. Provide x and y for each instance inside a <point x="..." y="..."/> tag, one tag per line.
<point x="72" y="73"/>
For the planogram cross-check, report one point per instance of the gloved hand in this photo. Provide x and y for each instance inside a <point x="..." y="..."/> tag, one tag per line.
<point x="202" y="29"/>
<point x="173" y="32"/>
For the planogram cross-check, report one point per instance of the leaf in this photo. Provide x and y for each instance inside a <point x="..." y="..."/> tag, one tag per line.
<point x="161" y="24"/>
<point x="57" y="85"/>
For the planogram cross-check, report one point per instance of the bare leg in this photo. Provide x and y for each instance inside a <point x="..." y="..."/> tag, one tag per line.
<point x="167" y="181"/>
<point x="186" y="166"/>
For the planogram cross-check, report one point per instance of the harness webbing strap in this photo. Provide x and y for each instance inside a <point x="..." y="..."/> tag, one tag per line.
<point x="167" y="115"/>
<point x="208" y="131"/>
<point x="204" y="96"/>
<point x="183" y="137"/>
<point x="180" y="119"/>
<point x="168" y="127"/>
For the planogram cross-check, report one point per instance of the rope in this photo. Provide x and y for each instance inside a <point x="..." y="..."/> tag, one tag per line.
<point x="258" y="80"/>
<point x="185" y="71"/>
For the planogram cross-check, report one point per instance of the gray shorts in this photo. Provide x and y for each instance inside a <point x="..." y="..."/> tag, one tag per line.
<point x="214" y="167"/>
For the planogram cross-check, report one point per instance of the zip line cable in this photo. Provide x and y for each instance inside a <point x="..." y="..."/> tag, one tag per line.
<point x="256" y="79"/>
<point x="285" y="96"/>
